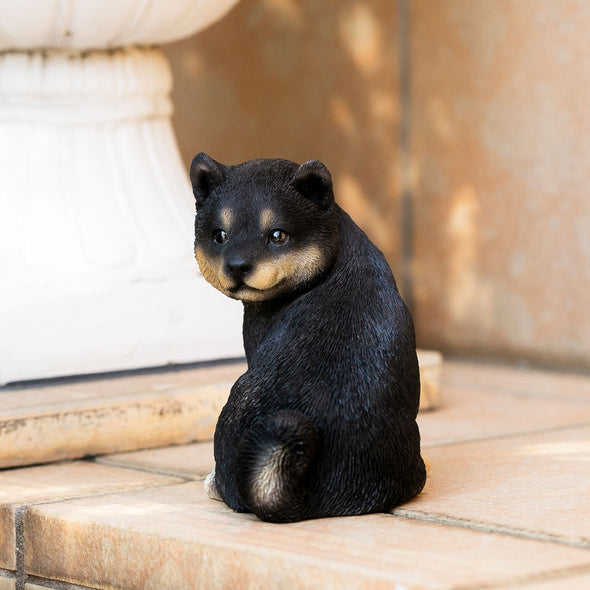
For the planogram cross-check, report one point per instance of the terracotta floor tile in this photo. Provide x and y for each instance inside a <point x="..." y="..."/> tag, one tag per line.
<point x="127" y="385"/>
<point x="509" y="453"/>
<point x="536" y="484"/>
<point x="514" y="380"/>
<point x="569" y="581"/>
<point x="476" y="407"/>
<point x="73" y="420"/>
<point x="96" y="416"/>
<point x="48" y="483"/>
<point x="193" y="461"/>
<point x="175" y="537"/>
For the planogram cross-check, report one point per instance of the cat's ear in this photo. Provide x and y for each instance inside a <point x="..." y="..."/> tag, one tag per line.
<point x="314" y="181"/>
<point x="206" y="174"/>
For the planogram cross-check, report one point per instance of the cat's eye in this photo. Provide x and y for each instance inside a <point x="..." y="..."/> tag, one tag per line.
<point x="278" y="237"/>
<point x="220" y="236"/>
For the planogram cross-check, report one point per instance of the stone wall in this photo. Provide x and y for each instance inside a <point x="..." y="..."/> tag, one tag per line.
<point x="457" y="134"/>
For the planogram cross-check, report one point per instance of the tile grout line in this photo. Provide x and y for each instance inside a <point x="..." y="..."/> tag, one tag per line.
<point x="19" y="529"/>
<point x="21" y="576"/>
<point x="57" y="584"/>
<point x="574" y="542"/>
<point x="151" y="470"/>
<point x="110" y="492"/>
<point x="525" y="580"/>
<point x="7" y="574"/>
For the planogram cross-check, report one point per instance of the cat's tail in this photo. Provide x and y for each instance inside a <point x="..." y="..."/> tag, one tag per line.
<point x="271" y="466"/>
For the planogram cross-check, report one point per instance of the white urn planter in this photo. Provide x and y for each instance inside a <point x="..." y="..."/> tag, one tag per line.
<point x="96" y="210"/>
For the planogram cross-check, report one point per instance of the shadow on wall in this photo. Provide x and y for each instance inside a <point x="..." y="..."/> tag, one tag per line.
<point x="498" y="172"/>
<point x="500" y="169"/>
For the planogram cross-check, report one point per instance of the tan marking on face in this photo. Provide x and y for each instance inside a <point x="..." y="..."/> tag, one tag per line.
<point x="302" y="265"/>
<point x="265" y="275"/>
<point x="285" y="270"/>
<point x="266" y="220"/>
<point x="269" y="277"/>
<point x="227" y="217"/>
<point x="212" y="271"/>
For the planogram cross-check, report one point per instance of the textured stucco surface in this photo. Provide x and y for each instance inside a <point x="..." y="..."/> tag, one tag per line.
<point x="500" y="170"/>
<point x="497" y="162"/>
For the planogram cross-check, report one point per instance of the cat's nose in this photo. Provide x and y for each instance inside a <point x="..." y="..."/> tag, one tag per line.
<point x="238" y="269"/>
